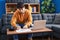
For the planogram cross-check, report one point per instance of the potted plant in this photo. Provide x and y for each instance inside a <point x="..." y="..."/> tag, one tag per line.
<point x="47" y="6"/>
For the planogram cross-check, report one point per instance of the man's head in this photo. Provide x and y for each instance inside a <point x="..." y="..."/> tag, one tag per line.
<point x="20" y="6"/>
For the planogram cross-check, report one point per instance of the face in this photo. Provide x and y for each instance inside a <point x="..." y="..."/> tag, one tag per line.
<point x="22" y="10"/>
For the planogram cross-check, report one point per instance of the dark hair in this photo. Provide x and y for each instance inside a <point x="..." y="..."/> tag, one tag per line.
<point x="20" y="5"/>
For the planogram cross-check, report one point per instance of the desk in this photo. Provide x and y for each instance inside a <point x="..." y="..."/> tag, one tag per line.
<point x="33" y="31"/>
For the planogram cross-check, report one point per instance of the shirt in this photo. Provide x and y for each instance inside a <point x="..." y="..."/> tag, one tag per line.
<point x="20" y="18"/>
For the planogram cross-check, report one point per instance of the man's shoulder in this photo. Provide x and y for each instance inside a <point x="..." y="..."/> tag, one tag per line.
<point x="16" y="12"/>
<point x="27" y="11"/>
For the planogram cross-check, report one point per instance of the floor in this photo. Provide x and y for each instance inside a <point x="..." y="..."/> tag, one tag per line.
<point x="45" y="38"/>
<point x="39" y="38"/>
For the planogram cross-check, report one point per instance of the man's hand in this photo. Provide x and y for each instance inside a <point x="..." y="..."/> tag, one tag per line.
<point x="18" y="27"/>
<point x="25" y="27"/>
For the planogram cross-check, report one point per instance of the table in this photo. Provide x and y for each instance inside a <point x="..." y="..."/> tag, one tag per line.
<point x="33" y="31"/>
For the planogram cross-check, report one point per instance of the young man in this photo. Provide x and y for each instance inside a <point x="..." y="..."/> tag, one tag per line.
<point x="21" y="18"/>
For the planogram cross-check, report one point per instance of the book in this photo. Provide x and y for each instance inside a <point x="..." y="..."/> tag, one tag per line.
<point x="33" y="9"/>
<point x="37" y="1"/>
<point x="24" y="1"/>
<point x="9" y="1"/>
<point x="15" y="1"/>
<point x="18" y="1"/>
<point x="32" y="1"/>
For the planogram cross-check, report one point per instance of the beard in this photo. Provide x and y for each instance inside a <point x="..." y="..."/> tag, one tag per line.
<point x="22" y="12"/>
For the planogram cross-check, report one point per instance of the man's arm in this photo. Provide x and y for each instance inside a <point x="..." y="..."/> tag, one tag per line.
<point x="29" y="20"/>
<point x="13" y="20"/>
<point x="29" y="8"/>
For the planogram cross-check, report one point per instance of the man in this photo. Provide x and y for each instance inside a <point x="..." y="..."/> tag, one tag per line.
<point x="21" y="19"/>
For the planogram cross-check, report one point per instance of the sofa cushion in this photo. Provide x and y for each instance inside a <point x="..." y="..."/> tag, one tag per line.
<point x="9" y="16"/>
<point x="36" y="17"/>
<point x="52" y="25"/>
<point x="3" y="29"/>
<point x="57" y="19"/>
<point x="48" y="17"/>
<point x="49" y="25"/>
<point x="6" y="18"/>
<point x="57" y="35"/>
<point x="56" y="28"/>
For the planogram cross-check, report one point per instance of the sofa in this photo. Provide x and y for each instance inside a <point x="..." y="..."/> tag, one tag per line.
<point x="52" y="22"/>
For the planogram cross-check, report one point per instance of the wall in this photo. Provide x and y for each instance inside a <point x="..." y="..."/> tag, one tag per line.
<point x="2" y="8"/>
<point x="57" y="5"/>
<point x="3" y="11"/>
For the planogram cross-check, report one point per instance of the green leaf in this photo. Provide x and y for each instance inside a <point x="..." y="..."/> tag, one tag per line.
<point x="47" y="6"/>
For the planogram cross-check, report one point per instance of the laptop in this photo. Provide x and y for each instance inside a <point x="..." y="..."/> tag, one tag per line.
<point x="39" y="24"/>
